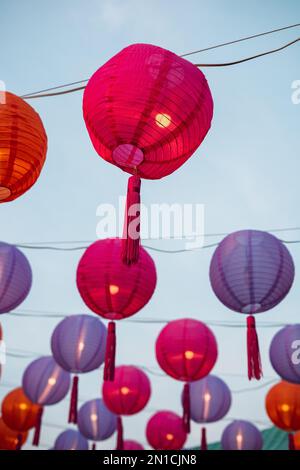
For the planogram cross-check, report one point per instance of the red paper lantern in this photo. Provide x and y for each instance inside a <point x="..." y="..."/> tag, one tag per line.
<point x="147" y="111"/>
<point x="113" y="289"/>
<point x="9" y="439"/>
<point x="186" y="350"/>
<point x="165" y="431"/>
<point x="128" y="394"/>
<point x="18" y="412"/>
<point x="23" y="147"/>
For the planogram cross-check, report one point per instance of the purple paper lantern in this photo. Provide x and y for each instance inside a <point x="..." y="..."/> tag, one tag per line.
<point x="285" y="353"/>
<point x="15" y="277"/>
<point x="241" y="435"/>
<point x="78" y="345"/>
<point x="95" y="421"/>
<point x="251" y="272"/>
<point x="71" y="440"/>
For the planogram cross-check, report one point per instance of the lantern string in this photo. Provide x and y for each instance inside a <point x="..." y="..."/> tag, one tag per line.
<point x="43" y="93"/>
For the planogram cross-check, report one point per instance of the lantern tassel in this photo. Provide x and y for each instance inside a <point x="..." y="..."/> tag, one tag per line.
<point x="110" y="353"/>
<point x="73" y="402"/>
<point x="291" y="442"/>
<point x="94" y="446"/>
<point x="186" y="408"/>
<point x="203" y="439"/>
<point x="131" y="231"/>
<point x="120" y="442"/>
<point x="19" y="442"/>
<point x="254" y="361"/>
<point x="38" y="426"/>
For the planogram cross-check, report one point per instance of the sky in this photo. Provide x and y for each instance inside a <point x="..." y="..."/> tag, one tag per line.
<point x="246" y="173"/>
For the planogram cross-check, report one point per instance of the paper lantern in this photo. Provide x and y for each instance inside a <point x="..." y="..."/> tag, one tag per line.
<point x="210" y="400"/>
<point x="132" y="445"/>
<point x="186" y="350"/>
<point x="10" y="439"/>
<point x="23" y="147"/>
<point x="71" y="440"/>
<point x="285" y="353"/>
<point x="18" y="412"/>
<point x="251" y="272"/>
<point x="241" y="435"/>
<point x="45" y="383"/>
<point x="16" y="276"/>
<point x="147" y="111"/>
<point x="78" y="345"/>
<point x="95" y="421"/>
<point x="128" y="394"/>
<point x="283" y="407"/>
<point x="112" y="289"/>
<point x="165" y="431"/>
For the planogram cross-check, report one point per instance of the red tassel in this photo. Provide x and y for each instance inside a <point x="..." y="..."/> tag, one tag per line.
<point x="110" y="353"/>
<point x="93" y="446"/>
<point x="37" y="431"/>
<point x="19" y="442"/>
<point x="131" y="232"/>
<point x="120" y="443"/>
<point x="254" y="362"/>
<point x="186" y="408"/>
<point x="73" y="402"/>
<point x="291" y="442"/>
<point x="203" y="439"/>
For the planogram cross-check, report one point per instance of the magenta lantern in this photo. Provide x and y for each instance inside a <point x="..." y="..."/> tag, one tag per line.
<point x="165" y="431"/>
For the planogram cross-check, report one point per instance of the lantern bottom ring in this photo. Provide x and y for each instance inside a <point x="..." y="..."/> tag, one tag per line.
<point x="4" y="193"/>
<point x="251" y="308"/>
<point x="128" y="156"/>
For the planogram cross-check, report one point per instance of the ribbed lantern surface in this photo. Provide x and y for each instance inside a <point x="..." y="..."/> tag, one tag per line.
<point x="18" y="412"/>
<point x="241" y="435"/>
<point x="71" y="440"/>
<point x="210" y="399"/>
<point x="96" y="421"/>
<point x="283" y="406"/>
<point x="165" y="431"/>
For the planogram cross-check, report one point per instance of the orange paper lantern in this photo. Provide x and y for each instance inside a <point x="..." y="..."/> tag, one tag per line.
<point x="23" y="147"/>
<point x="9" y="439"/>
<point x="18" y="412"/>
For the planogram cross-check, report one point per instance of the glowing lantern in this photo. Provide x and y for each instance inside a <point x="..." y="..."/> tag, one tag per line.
<point x="10" y="439"/>
<point x="251" y="272"/>
<point x="18" y="412"/>
<point x="186" y="350"/>
<point x="285" y="353"/>
<point x="283" y="408"/>
<point x="95" y="421"/>
<point x="210" y="400"/>
<point x="132" y="445"/>
<point x="128" y="394"/>
<point x="78" y="346"/>
<point x="147" y="111"/>
<point x="165" y="431"/>
<point x="45" y="383"/>
<point x="71" y="440"/>
<point x="15" y="276"/>
<point x="23" y="147"/>
<point x="241" y="435"/>
<point x="112" y="289"/>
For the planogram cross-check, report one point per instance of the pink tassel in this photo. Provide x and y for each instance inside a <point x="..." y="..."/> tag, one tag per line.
<point x="254" y="362"/>
<point x="291" y="442"/>
<point x="186" y="408"/>
<point x="93" y="446"/>
<point x="203" y="439"/>
<point x="38" y="426"/>
<point x="73" y="402"/>
<point x="131" y="232"/>
<point x="19" y="443"/>
<point x="120" y="443"/>
<point x="110" y="353"/>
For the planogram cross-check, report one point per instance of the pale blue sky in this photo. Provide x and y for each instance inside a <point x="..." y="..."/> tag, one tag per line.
<point x="246" y="173"/>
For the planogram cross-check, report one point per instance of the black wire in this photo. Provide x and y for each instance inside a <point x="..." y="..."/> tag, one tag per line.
<point x="55" y="88"/>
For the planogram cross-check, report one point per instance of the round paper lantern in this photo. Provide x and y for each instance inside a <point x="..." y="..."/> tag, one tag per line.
<point x="45" y="383"/>
<point x="283" y="407"/>
<point x="251" y="272"/>
<point x="147" y="111"/>
<point x="186" y="350"/>
<point x="165" y="431"/>
<point x="16" y="276"/>
<point x="18" y="412"/>
<point x="71" y="440"/>
<point x="241" y="435"/>
<point x="128" y="394"/>
<point x="95" y="421"/>
<point x="10" y="439"/>
<point x="112" y="289"/>
<point x="78" y="346"/>
<point x="210" y="400"/>
<point x="132" y="445"/>
<point x="285" y="353"/>
<point x="23" y="147"/>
